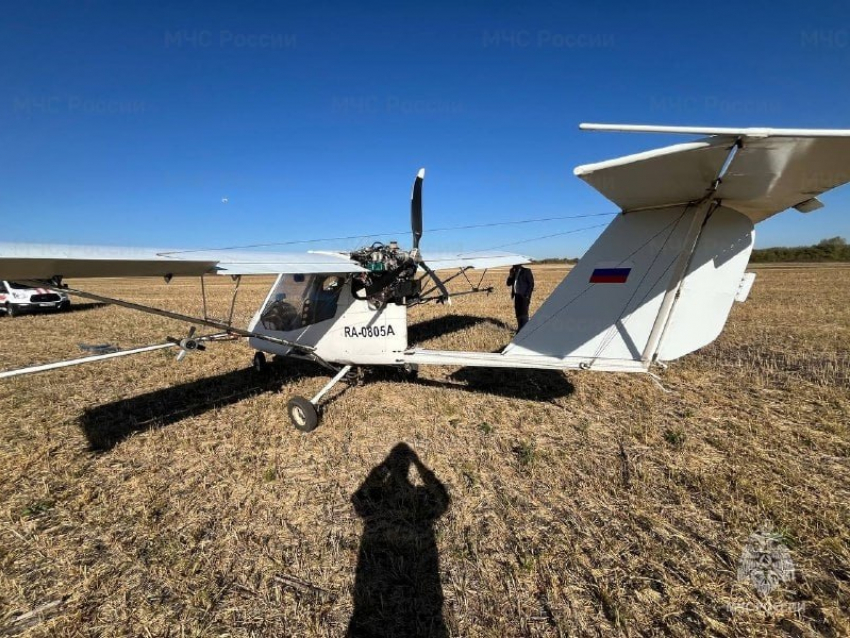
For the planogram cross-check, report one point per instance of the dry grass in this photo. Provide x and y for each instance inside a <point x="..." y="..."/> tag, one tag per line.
<point x="151" y="498"/>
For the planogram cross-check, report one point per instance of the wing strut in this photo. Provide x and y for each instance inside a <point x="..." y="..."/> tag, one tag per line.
<point x="173" y="315"/>
<point x="702" y="213"/>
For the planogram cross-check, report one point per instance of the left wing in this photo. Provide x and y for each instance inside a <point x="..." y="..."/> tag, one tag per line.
<point x="46" y="261"/>
<point x="479" y="259"/>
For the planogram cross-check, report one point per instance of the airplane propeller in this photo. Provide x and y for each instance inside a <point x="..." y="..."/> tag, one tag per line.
<point x="186" y="345"/>
<point x="416" y="230"/>
<point x="416" y="208"/>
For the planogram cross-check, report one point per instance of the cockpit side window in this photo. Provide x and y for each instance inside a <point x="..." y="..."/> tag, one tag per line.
<point x="323" y="299"/>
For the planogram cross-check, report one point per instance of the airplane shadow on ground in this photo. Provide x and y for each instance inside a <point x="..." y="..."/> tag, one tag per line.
<point x="107" y="425"/>
<point x="82" y="307"/>
<point x="397" y="590"/>
<point x="512" y="383"/>
<point x="440" y="326"/>
<point x="516" y="383"/>
<point x="74" y="307"/>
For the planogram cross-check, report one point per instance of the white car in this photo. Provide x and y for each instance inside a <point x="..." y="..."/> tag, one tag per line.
<point x="17" y="298"/>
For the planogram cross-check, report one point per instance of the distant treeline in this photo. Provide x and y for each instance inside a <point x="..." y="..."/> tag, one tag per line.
<point x="832" y="249"/>
<point x="557" y="260"/>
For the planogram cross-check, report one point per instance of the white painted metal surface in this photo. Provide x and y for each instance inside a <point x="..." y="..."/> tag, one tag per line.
<point x="531" y="361"/>
<point x="766" y="175"/>
<point x="708" y="290"/>
<point x="601" y="322"/>
<point x="336" y="379"/>
<point x="480" y="260"/>
<point x="75" y="362"/>
<point x="44" y="261"/>
<point x="716" y="130"/>
<point x="357" y="333"/>
<point x="770" y="175"/>
<point x="745" y="286"/>
<point x="676" y="278"/>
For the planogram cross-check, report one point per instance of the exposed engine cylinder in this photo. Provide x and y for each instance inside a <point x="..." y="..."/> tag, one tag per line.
<point x="390" y="276"/>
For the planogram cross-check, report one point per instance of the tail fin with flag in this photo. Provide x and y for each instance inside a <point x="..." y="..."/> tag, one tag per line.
<point x="661" y="279"/>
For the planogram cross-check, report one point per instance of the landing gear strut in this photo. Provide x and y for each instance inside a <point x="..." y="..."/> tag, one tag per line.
<point x="304" y="413"/>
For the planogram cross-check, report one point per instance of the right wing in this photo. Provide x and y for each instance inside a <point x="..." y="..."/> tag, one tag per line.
<point x="46" y="261"/>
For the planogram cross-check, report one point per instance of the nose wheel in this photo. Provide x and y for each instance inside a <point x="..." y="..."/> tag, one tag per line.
<point x="303" y="412"/>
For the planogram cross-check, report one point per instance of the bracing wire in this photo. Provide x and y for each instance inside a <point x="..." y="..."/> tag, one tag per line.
<point x="514" y="222"/>
<point x="542" y="237"/>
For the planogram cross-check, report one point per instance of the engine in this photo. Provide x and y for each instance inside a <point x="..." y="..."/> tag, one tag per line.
<point x="390" y="275"/>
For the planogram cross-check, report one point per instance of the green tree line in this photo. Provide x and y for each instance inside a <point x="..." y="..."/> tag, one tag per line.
<point x="832" y="249"/>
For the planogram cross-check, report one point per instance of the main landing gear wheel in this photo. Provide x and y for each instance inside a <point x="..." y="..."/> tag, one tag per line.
<point x="259" y="363"/>
<point x="303" y="414"/>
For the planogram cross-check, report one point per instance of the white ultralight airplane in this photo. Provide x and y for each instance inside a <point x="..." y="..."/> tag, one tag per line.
<point x="658" y="283"/>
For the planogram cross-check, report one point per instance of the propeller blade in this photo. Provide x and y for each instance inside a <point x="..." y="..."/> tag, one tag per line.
<point x="187" y="344"/>
<point x="416" y="208"/>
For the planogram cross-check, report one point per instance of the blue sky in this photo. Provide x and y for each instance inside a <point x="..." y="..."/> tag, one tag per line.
<point x="129" y="123"/>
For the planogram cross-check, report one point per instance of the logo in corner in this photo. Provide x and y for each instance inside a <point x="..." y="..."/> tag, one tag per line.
<point x="765" y="561"/>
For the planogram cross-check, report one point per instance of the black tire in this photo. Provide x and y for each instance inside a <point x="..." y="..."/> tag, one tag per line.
<point x="11" y="310"/>
<point x="259" y="363"/>
<point x="409" y="373"/>
<point x="65" y="306"/>
<point x="303" y="414"/>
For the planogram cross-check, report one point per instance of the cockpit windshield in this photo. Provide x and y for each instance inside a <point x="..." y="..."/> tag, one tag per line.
<point x="302" y="300"/>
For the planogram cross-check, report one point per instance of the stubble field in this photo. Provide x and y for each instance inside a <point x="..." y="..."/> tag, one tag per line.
<point x="141" y="497"/>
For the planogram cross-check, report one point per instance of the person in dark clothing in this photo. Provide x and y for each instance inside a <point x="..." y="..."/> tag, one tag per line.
<point x="521" y="281"/>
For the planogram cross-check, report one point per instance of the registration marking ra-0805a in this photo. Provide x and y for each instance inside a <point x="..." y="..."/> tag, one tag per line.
<point x="368" y="331"/>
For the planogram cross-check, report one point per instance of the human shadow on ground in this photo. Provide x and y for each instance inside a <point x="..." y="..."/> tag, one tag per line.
<point x="107" y="425"/>
<point x="397" y="590"/>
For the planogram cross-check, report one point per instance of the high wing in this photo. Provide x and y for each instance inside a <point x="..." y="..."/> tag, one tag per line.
<point x="770" y="171"/>
<point x="481" y="259"/>
<point x="46" y="261"/>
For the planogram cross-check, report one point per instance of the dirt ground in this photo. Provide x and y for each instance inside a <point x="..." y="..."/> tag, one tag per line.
<point x="142" y="497"/>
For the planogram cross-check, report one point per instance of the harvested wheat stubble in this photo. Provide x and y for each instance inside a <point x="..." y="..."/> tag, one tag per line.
<point x="155" y="498"/>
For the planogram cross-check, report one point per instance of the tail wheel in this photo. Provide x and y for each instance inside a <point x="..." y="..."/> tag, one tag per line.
<point x="259" y="363"/>
<point x="303" y="414"/>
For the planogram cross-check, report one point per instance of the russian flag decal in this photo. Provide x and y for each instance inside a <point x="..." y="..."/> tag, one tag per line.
<point x="609" y="275"/>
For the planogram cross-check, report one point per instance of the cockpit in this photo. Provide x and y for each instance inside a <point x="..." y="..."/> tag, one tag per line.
<point x="300" y="300"/>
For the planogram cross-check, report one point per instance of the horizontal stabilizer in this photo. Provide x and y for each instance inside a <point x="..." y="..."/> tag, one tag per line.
<point x="772" y="170"/>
